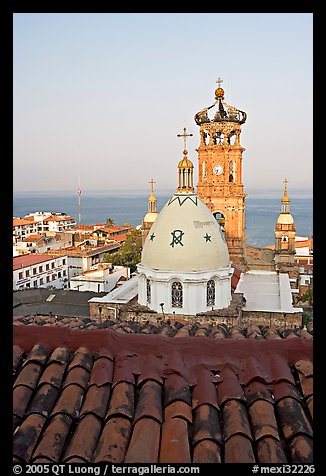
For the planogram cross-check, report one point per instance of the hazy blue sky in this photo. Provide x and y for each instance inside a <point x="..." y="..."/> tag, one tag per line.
<point x="104" y="95"/>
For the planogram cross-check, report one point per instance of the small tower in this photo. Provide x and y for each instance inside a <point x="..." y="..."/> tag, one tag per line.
<point x="285" y="232"/>
<point x="220" y="183"/>
<point x="151" y="214"/>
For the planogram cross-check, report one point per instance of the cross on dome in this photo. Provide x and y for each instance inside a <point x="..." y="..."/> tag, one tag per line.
<point x="184" y="135"/>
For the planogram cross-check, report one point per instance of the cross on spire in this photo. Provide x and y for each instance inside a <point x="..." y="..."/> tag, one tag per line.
<point x="184" y="135"/>
<point x="285" y="181"/>
<point x="151" y="182"/>
<point x="219" y="82"/>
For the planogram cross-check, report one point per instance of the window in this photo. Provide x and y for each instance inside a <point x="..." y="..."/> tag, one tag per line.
<point x="59" y="275"/>
<point x="64" y="273"/>
<point x="63" y="261"/>
<point x="53" y="277"/>
<point x="34" y="284"/>
<point x="27" y="273"/>
<point x="48" y="279"/>
<point x="210" y="293"/>
<point x="20" y="275"/>
<point x="34" y="270"/>
<point x="177" y="298"/>
<point x="148" y="290"/>
<point x="40" y="269"/>
<point x="41" y="281"/>
<point x="47" y="267"/>
<point x="52" y="265"/>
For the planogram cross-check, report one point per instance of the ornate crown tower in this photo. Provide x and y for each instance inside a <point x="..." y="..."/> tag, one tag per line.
<point x="220" y="170"/>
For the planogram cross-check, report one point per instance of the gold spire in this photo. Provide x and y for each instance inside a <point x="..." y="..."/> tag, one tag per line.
<point x="152" y="200"/>
<point x="185" y="168"/>
<point x="285" y="195"/>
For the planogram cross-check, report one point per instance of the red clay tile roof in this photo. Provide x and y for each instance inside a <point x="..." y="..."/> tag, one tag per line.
<point x="100" y="396"/>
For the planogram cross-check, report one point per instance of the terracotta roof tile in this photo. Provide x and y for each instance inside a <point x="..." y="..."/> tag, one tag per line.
<point x="102" y="372"/>
<point x="69" y="401"/>
<point x="292" y="418"/>
<point x="270" y="450"/>
<point x="257" y="390"/>
<point x="84" y="440"/>
<point x="175" y="443"/>
<point x="114" y="440"/>
<point x="238" y="449"/>
<point x="53" y="374"/>
<point x="17" y="357"/>
<point x="301" y="449"/>
<point x="82" y="358"/>
<point x="263" y="420"/>
<point x="29" y="375"/>
<point x="26" y="437"/>
<point x="305" y="371"/>
<point x="145" y="398"/>
<point x="178" y="409"/>
<point x="43" y="400"/>
<point x="176" y="388"/>
<point x="207" y="451"/>
<point x="206" y="424"/>
<point x="205" y="390"/>
<point x="53" y="439"/>
<point x="145" y="442"/>
<point x="122" y="400"/>
<point x="96" y="400"/>
<point x="229" y="387"/>
<point x="235" y="420"/>
<point x="149" y="402"/>
<point x="78" y="376"/>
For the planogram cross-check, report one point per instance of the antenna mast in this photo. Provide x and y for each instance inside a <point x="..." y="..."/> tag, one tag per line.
<point x="78" y="195"/>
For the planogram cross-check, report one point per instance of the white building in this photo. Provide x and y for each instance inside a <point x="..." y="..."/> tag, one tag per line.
<point x="185" y="266"/>
<point x="102" y="279"/>
<point x="36" y="270"/>
<point x="267" y="291"/>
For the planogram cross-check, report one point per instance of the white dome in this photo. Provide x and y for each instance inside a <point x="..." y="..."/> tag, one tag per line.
<point x="185" y="237"/>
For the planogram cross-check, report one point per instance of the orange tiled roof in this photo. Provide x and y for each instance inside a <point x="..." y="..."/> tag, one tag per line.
<point x="22" y="221"/>
<point x="34" y="237"/>
<point x="99" y="396"/>
<point x="29" y="260"/>
<point x="56" y="218"/>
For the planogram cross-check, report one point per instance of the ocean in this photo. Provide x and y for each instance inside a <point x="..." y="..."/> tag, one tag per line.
<point x="262" y="209"/>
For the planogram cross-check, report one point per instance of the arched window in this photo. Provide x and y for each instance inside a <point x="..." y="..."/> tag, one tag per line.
<point x="210" y="293"/>
<point x="148" y="290"/>
<point x="176" y="293"/>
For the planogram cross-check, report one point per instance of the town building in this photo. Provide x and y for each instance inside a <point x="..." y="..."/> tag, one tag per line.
<point x="40" y="270"/>
<point x="103" y="278"/>
<point x="84" y="257"/>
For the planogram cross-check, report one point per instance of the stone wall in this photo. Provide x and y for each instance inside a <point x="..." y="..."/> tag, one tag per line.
<point x="271" y="319"/>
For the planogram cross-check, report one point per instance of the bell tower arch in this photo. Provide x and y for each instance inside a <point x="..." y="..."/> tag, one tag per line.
<point x="220" y="183"/>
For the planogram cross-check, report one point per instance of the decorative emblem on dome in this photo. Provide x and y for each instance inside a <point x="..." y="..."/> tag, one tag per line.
<point x="224" y="112"/>
<point x="176" y="238"/>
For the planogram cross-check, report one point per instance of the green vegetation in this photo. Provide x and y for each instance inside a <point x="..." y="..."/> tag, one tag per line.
<point x="130" y="252"/>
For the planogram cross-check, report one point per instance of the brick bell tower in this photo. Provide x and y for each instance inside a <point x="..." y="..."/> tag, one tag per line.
<point x="220" y="170"/>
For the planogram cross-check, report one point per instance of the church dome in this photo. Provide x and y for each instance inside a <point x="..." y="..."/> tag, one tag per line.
<point x="185" y="237"/>
<point x="150" y="217"/>
<point x="285" y="219"/>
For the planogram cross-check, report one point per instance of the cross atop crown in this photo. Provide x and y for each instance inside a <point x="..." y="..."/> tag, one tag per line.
<point x="219" y="82"/>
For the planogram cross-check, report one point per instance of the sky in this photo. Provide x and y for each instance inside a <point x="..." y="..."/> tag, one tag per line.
<point x="99" y="98"/>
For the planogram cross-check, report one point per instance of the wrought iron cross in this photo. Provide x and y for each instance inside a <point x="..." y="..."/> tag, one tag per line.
<point x="152" y="181"/>
<point x="184" y="135"/>
<point x="219" y="82"/>
<point x="285" y="181"/>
